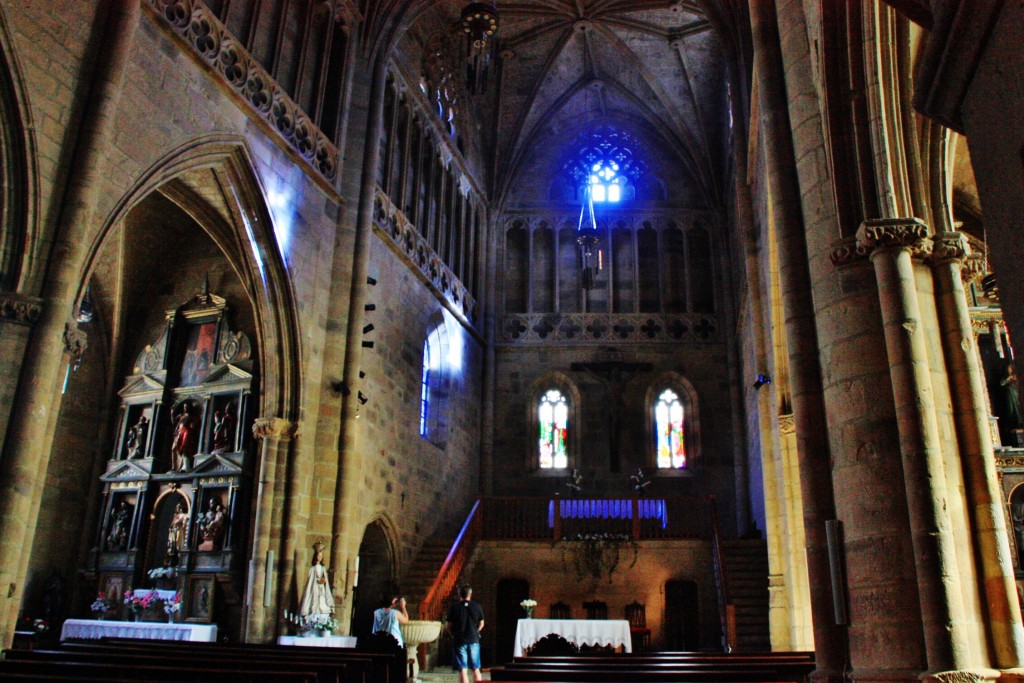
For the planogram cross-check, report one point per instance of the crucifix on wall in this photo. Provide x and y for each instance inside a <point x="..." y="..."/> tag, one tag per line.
<point x="614" y="374"/>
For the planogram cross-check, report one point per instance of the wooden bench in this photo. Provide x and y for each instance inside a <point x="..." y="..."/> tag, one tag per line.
<point x="58" y="670"/>
<point x="366" y="666"/>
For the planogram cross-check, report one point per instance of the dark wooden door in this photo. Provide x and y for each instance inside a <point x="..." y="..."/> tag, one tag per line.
<point x="682" y="627"/>
<point x="510" y="592"/>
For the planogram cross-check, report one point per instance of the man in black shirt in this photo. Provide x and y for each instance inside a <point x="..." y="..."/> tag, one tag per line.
<point x="464" y="622"/>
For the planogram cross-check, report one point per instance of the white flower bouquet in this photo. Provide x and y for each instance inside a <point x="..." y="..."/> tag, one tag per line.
<point x="528" y="606"/>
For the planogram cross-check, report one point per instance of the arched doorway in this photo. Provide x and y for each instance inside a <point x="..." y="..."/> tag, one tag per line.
<point x="376" y="578"/>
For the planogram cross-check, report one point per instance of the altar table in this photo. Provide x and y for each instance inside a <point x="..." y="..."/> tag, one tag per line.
<point x="149" y="630"/>
<point x="314" y="641"/>
<point x="614" y="632"/>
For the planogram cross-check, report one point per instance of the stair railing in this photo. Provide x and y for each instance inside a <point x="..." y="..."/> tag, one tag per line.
<point x="726" y="610"/>
<point x="432" y="606"/>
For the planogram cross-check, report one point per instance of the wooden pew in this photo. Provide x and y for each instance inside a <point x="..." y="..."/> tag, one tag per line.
<point x="325" y="672"/>
<point x="56" y="670"/>
<point x="361" y="666"/>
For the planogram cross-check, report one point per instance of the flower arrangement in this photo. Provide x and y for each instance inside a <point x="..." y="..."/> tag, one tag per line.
<point x="37" y="625"/>
<point x="162" y="573"/>
<point x="173" y="606"/>
<point x="528" y="606"/>
<point x="137" y="604"/>
<point x="100" y="605"/>
<point x="321" y="622"/>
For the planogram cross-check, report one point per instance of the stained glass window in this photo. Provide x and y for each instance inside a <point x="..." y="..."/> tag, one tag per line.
<point x="668" y="424"/>
<point x="604" y="162"/>
<point x="425" y="389"/>
<point x="553" y="417"/>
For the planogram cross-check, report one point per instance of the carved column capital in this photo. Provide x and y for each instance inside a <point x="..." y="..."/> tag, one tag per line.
<point x="274" y="427"/>
<point x="787" y="424"/>
<point x="886" y="234"/>
<point x="846" y="251"/>
<point x="19" y="309"/>
<point x="950" y="247"/>
<point x="975" y="269"/>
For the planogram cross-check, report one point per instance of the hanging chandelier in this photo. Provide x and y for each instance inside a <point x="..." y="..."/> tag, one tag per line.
<point x="479" y="23"/>
<point x="587" y="236"/>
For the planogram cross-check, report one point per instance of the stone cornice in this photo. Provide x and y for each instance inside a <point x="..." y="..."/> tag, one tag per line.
<point x="19" y="309"/>
<point x="193" y="24"/>
<point x="605" y="328"/>
<point x="274" y="427"/>
<point x="885" y="234"/>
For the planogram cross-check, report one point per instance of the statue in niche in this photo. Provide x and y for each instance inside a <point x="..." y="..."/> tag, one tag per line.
<point x="211" y="525"/>
<point x="224" y="429"/>
<point x="1017" y="516"/>
<point x="136" y="442"/>
<point x="176" y="534"/>
<point x="317" y="598"/>
<point x="183" y="446"/>
<point x="117" y="535"/>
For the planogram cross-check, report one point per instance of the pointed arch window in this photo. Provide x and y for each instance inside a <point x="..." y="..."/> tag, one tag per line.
<point x="553" y="419"/>
<point x="669" y="431"/>
<point x="435" y="379"/>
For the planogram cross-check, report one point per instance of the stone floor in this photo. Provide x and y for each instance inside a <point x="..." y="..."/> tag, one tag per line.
<point x="445" y="676"/>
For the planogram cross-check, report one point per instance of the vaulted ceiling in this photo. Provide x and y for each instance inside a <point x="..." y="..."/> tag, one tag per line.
<point x="652" y="64"/>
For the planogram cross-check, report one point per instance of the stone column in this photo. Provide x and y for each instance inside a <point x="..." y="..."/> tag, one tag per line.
<point x="30" y="434"/>
<point x="891" y="243"/>
<point x="17" y="316"/>
<point x="276" y="437"/>
<point x="801" y="335"/>
<point x="971" y="411"/>
<point x="345" y="535"/>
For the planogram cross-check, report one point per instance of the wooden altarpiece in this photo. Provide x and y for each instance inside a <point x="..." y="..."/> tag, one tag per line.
<point x="177" y="486"/>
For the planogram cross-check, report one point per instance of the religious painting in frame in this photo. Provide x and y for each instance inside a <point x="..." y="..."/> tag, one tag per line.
<point x="200" y="354"/>
<point x="199" y="599"/>
<point x="112" y="585"/>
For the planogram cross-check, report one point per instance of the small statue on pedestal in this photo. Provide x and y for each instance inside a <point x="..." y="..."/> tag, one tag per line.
<point x="136" y="442"/>
<point x="317" y="605"/>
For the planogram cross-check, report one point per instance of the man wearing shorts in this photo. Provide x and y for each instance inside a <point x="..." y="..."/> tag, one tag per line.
<point x="464" y="622"/>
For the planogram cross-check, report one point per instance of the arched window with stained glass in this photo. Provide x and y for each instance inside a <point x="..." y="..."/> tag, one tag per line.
<point x="553" y="427"/>
<point x="605" y="163"/>
<point x="670" y="432"/>
<point x="434" y="382"/>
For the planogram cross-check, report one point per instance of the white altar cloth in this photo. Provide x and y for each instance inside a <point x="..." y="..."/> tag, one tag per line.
<point x="325" y="641"/>
<point x="613" y="632"/>
<point x="150" y="630"/>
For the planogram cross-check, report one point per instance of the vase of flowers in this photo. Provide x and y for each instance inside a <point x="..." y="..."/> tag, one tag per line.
<point x="528" y="606"/>
<point x="100" y="606"/>
<point x="172" y="607"/>
<point x="137" y="605"/>
<point x="320" y="625"/>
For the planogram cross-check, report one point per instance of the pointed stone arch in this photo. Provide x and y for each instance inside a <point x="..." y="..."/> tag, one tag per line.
<point x="691" y="417"/>
<point x="565" y="384"/>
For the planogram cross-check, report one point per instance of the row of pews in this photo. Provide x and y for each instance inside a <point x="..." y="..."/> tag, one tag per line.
<point x="159" y="661"/>
<point x="681" y="667"/>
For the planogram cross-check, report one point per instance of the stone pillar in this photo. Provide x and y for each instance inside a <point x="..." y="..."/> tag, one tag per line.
<point x="27" y="451"/>
<point x="801" y="335"/>
<point x="345" y="534"/>
<point x="891" y="243"/>
<point x="17" y="316"/>
<point x="262" y="619"/>
<point x="971" y="414"/>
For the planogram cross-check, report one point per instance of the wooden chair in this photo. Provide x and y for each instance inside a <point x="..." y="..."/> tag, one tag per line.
<point x="596" y="609"/>
<point x="560" y="610"/>
<point x="636" y="614"/>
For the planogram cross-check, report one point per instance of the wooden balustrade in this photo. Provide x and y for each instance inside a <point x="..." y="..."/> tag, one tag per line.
<point x="726" y="610"/>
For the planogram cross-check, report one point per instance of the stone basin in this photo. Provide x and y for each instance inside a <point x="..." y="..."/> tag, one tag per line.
<point x="415" y="633"/>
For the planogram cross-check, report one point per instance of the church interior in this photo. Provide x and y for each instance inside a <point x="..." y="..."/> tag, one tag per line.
<point x="699" y="314"/>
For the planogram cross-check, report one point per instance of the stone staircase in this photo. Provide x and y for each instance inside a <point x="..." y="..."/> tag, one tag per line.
<point x="423" y="572"/>
<point x="746" y="568"/>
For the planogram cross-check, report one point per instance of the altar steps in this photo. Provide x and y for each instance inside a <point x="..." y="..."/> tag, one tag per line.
<point x="424" y="570"/>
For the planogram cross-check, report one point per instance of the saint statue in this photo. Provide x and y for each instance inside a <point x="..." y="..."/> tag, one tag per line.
<point x="176" y="530"/>
<point x="317" y="598"/>
<point x="184" y="443"/>
<point x="211" y="525"/>
<point x="117" y="536"/>
<point x="136" y="442"/>
<point x="223" y="429"/>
